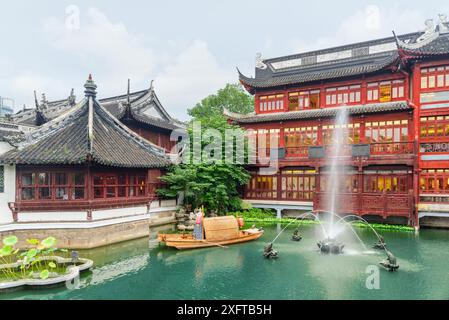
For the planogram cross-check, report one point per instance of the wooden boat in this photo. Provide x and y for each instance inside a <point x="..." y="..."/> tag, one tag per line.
<point x="217" y="232"/>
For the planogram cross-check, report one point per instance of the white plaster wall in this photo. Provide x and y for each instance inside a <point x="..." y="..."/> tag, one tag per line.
<point x="9" y="193"/>
<point x="81" y="216"/>
<point x="121" y="212"/>
<point x="52" y="216"/>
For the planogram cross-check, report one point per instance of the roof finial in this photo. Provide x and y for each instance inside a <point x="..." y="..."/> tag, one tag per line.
<point x="72" y="98"/>
<point x="128" y="92"/>
<point x="152" y="85"/>
<point x="44" y="101"/>
<point x="443" y="24"/>
<point x="36" y="103"/>
<point x="259" y="61"/>
<point x="90" y="87"/>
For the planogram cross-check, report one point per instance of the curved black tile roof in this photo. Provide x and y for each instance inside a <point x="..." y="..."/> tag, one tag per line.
<point x="346" y="61"/>
<point x="439" y="46"/>
<point x="320" y="113"/>
<point x="67" y="140"/>
<point x="348" y="67"/>
<point x="140" y="101"/>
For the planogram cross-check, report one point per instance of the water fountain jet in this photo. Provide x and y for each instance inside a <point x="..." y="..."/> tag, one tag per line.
<point x="330" y="244"/>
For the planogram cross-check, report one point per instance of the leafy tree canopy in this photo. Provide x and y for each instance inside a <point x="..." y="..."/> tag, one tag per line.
<point x="232" y="96"/>
<point x="215" y="185"/>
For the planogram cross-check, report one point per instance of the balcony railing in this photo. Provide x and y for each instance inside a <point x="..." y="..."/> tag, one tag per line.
<point x="297" y="152"/>
<point x="383" y="204"/>
<point x="392" y="148"/>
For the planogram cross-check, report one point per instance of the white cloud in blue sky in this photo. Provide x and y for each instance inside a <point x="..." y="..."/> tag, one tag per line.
<point x="190" y="48"/>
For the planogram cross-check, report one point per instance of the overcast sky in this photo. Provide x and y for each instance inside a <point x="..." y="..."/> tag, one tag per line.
<point x="190" y="48"/>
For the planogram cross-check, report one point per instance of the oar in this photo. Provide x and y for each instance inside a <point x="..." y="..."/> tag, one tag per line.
<point x="215" y="244"/>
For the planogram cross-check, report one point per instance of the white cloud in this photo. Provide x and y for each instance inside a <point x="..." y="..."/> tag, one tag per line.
<point x="184" y="73"/>
<point x="368" y="23"/>
<point x="107" y="49"/>
<point x="23" y="86"/>
<point x="193" y="74"/>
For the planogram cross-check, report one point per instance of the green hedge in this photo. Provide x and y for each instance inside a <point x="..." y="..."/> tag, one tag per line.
<point x="265" y="216"/>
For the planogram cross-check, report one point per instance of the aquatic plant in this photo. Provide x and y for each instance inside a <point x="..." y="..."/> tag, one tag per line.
<point x="37" y="259"/>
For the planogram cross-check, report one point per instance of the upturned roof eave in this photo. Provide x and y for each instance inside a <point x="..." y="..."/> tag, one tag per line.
<point x="320" y="113"/>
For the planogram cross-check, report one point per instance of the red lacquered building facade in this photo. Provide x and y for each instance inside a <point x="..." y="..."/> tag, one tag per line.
<point x="396" y="91"/>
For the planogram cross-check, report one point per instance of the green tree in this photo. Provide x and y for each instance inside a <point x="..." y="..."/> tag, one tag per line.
<point x="216" y="186"/>
<point x="232" y="96"/>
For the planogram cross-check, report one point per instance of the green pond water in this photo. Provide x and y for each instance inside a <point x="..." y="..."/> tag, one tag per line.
<point x="141" y="269"/>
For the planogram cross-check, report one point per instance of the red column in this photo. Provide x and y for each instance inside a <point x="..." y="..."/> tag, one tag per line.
<point x="416" y="90"/>
<point x="362" y="130"/>
<point x="363" y="92"/>
<point x="322" y="97"/>
<point x="281" y="135"/>
<point x="286" y="101"/>
<point x="320" y="133"/>
<point x="256" y="104"/>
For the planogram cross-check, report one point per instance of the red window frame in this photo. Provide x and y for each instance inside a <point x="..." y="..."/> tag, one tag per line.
<point x="48" y="185"/>
<point x="298" y="184"/>
<point x="303" y="100"/>
<point x="298" y="139"/>
<point x="388" y="182"/>
<point x="345" y="184"/>
<point x="350" y="94"/>
<point x="262" y="187"/>
<point x="268" y="134"/>
<point x="434" y="181"/>
<point x="112" y="185"/>
<point x="397" y="90"/>
<point x="271" y="103"/>
<point x="353" y="133"/>
<point x="396" y="130"/>
<point x="434" y="128"/>
<point x="434" y="78"/>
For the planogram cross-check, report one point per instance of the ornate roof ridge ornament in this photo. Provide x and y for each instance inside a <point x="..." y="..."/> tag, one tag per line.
<point x="90" y="88"/>
<point x="36" y="103"/>
<point x="259" y="62"/>
<point x="72" y="98"/>
<point x="44" y="102"/>
<point x="90" y="93"/>
<point x="128" y="93"/>
<point x="443" y="25"/>
<point x="430" y="34"/>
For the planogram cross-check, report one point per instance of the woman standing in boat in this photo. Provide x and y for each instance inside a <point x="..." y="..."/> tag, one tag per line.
<point x="198" y="228"/>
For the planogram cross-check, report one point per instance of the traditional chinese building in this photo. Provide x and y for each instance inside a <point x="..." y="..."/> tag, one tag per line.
<point x="83" y="176"/>
<point x="396" y="91"/>
<point x="141" y="111"/>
